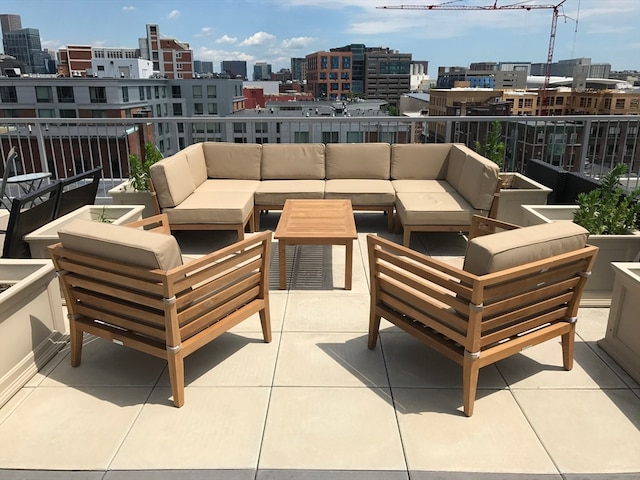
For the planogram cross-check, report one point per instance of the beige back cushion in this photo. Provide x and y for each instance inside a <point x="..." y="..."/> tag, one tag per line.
<point x="512" y="248"/>
<point x="124" y="244"/>
<point x="478" y="180"/>
<point x="293" y="161"/>
<point x="419" y="161"/>
<point x="172" y="180"/>
<point x="457" y="159"/>
<point x="358" y="160"/>
<point x="197" y="165"/>
<point x="235" y="161"/>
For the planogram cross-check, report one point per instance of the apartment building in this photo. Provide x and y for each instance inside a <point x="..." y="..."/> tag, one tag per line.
<point x="329" y="74"/>
<point x="171" y="58"/>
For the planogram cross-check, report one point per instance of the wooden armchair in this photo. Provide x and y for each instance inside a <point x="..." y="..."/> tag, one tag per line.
<point x="518" y="287"/>
<point x="129" y="285"/>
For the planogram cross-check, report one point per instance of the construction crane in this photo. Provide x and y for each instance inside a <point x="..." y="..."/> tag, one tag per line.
<point x="495" y="6"/>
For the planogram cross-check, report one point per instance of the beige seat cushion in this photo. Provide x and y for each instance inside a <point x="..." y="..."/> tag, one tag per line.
<point x="292" y="161"/>
<point x="127" y="245"/>
<point x="361" y="191"/>
<point x="212" y="207"/>
<point x="419" y="161"/>
<point x="512" y="248"/>
<point x="171" y="180"/>
<point x="275" y="192"/>
<point x="238" y="161"/>
<point x="433" y="208"/>
<point x="422" y="186"/>
<point x="358" y="160"/>
<point x="227" y="185"/>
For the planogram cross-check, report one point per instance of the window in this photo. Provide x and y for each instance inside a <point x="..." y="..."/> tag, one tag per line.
<point x="355" y="137"/>
<point x="67" y="113"/>
<point x="335" y="63"/>
<point x="323" y="62"/>
<point x="333" y="75"/>
<point x="179" y="66"/>
<point x="125" y="94"/>
<point x="346" y="62"/>
<point x="323" y="76"/>
<point x="98" y="114"/>
<point x="212" y="91"/>
<point x="177" y="109"/>
<point x="607" y="103"/>
<point x="156" y="92"/>
<point x="239" y="128"/>
<point x="212" y="108"/>
<point x="176" y="92"/>
<point x="619" y="103"/>
<point x="158" y="111"/>
<point x="149" y="93"/>
<point x="197" y="91"/>
<point x="98" y="95"/>
<point x="334" y="87"/>
<point x="46" y="113"/>
<point x="65" y="94"/>
<point x="344" y="75"/>
<point x="329" y="137"/>
<point x="198" y="109"/>
<point x="262" y="127"/>
<point x="301" y="137"/>
<point x="528" y="102"/>
<point x="8" y="95"/>
<point x="44" y="95"/>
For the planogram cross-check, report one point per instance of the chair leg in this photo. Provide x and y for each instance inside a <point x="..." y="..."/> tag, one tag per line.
<point x="406" y="236"/>
<point x="76" y="337"/>
<point x="390" y="220"/>
<point x="265" y="321"/>
<point x="256" y="219"/>
<point x="240" y="231"/>
<point x="176" y="377"/>
<point x="470" y="371"/>
<point x="251" y="223"/>
<point x="374" y="329"/>
<point x="568" y="341"/>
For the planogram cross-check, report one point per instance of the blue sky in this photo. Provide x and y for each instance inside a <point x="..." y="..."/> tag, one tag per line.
<point x="608" y="31"/>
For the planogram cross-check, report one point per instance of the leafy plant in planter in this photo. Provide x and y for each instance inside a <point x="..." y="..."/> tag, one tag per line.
<point x="139" y="171"/>
<point x="608" y="210"/>
<point x="493" y="146"/>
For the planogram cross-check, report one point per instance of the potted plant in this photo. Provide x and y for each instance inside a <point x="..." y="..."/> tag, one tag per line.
<point x="517" y="189"/>
<point x="610" y="215"/>
<point x="135" y="191"/>
<point x="32" y="326"/>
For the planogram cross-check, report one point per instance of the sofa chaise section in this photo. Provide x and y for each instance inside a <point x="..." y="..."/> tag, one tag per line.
<point x="360" y="172"/>
<point x="289" y="171"/>
<point x="441" y="187"/>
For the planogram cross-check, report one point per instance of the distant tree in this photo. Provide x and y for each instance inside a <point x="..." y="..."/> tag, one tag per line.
<point x="493" y="146"/>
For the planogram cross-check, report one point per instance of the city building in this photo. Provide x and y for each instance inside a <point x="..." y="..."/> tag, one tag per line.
<point x="329" y="74"/>
<point x="262" y="71"/>
<point x="572" y="68"/>
<point x="299" y="69"/>
<point x="420" y="81"/>
<point x="202" y="67"/>
<point x="24" y="45"/>
<point x="450" y="77"/>
<point x="234" y="68"/>
<point x="387" y="74"/>
<point x="171" y="58"/>
<point x="10" y="22"/>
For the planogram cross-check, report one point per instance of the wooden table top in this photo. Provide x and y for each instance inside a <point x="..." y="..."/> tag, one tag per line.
<point x="321" y="220"/>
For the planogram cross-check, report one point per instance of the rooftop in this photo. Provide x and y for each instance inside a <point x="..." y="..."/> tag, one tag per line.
<point x="316" y="403"/>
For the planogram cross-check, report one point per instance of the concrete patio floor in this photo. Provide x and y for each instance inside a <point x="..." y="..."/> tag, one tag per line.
<point x="315" y="403"/>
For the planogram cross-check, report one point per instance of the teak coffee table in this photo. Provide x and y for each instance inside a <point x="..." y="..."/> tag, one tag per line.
<point x="316" y="222"/>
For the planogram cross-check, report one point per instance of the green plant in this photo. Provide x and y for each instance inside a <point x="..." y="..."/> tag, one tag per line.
<point x="493" y="146"/>
<point x="608" y="210"/>
<point x="139" y="171"/>
<point x="103" y="216"/>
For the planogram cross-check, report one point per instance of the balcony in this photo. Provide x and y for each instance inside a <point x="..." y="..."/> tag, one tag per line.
<point x="316" y="403"/>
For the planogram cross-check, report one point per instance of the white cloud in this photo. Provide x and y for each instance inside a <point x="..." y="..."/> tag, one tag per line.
<point x="226" y="39"/>
<point x="174" y="14"/>
<point x="259" y="38"/>
<point x="129" y="8"/>
<point x="205" y="32"/>
<point x="297" y="42"/>
<point x="212" y="55"/>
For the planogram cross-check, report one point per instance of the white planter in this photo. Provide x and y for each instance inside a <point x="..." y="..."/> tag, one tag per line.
<point x="32" y="327"/>
<point x="622" y="340"/>
<point x="124" y="194"/>
<point x="613" y="248"/>
<point x="522" y="191"/>
<point x="47" y="235"/>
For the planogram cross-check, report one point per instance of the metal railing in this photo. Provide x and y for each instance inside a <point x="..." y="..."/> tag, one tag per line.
<point x="587" y="144"/>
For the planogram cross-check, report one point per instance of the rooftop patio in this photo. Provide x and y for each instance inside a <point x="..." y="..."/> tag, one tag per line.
<point x="316" y="403"/>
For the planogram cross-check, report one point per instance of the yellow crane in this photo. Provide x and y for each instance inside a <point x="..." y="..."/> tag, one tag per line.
<point x="515" y="6"/>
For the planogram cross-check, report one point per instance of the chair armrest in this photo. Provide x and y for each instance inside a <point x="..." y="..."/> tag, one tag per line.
<point x="156" y="223"/>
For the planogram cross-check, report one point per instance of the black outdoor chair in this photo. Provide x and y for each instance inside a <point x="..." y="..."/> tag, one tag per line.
<point x="78" y="191"/>
<point x="28" y="213"/>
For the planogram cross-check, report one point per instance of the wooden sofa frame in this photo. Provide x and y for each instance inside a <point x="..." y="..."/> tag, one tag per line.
<point x="165" y="313"/>
<point x="477" y="320"/>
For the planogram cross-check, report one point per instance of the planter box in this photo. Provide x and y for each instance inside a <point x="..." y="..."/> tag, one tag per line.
<point x="613" y="248"/>
<point x="124" y="194"/>
<point x="47" y="235"/>
<point x="521" y="190"/>
<point x="622" y="340"/>
<point x="32" y="327"/>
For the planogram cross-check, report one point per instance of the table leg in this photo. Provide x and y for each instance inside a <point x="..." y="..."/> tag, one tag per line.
<point x="348" y="268"/>
<point x="282" y="264"/>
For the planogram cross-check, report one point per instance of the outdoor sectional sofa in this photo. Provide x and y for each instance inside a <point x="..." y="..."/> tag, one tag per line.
<point x="225" y="186"/>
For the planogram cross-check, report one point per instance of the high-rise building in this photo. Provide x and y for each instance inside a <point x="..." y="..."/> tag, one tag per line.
<point x="329" y="75"/>
<point x="261" y="71"/>
<point x="10" y="22"/>
<point x="387" y="74"/>
<point x="298" y="69"/>
<point x="171" y="58"/>
<point x="24" y="44"/>
<point x="234" y="68"/>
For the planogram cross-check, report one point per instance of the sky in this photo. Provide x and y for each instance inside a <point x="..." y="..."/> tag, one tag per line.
<point x="273" y="31"/>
